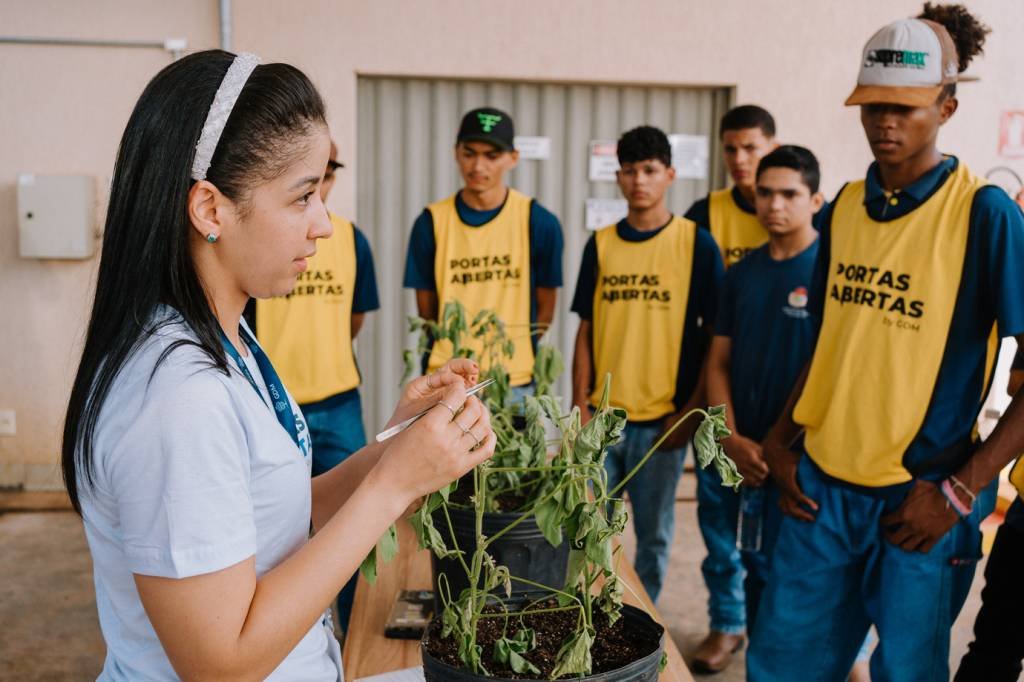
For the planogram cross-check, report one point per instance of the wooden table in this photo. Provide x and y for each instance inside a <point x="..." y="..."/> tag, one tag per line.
<point x="369" y="652"/>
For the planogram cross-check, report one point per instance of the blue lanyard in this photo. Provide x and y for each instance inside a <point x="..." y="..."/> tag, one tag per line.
<point x="282" y="406"/>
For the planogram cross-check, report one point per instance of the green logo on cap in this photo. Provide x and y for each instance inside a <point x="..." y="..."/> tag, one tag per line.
<point x="488" y="121"/>
<point x="896" y="58"/>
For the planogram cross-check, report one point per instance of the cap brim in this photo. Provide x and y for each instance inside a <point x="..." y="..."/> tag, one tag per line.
<point x="497" y="142"/>
<point x="888" y="94"/>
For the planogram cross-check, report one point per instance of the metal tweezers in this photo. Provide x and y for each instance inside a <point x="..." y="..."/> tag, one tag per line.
<point x="402" y="426"/>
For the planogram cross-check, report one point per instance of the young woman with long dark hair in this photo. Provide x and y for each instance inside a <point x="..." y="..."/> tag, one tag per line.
<point x="183" y="452"/>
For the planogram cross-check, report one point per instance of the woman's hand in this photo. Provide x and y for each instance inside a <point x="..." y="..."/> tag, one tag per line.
<point x="423" y="392"/>
<point x="451" y="439"/>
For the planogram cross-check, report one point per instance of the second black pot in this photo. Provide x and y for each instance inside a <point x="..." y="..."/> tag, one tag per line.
<point x="524" y="550"/>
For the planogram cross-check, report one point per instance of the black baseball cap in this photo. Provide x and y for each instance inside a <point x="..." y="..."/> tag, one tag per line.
<point x="489" y="125"/>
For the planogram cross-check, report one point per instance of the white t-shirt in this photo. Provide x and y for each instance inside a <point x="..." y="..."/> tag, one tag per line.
<point x="192" y="473"/>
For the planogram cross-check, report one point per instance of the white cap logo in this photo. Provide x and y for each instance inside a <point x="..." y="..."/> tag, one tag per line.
<point x="904" y="53"/>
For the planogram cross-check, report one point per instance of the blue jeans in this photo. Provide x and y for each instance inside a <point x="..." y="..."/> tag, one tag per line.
<point x="336" y="429"/>
<point x="832" y="578"/>
<point x="652" y="493"/>
<point x="717" y="515"/>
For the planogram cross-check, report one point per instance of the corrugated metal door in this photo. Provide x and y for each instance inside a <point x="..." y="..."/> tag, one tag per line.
<point x="406" y="134"/>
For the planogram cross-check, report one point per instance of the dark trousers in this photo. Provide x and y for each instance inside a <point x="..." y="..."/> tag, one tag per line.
<point x="998" y="647"/>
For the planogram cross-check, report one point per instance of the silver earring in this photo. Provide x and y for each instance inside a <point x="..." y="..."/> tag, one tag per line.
<point x="212" y="238"/>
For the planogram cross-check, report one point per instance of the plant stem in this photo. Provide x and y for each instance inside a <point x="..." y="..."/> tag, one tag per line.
<point x="544" y="587"/>
<point x="526" y="514"/>
<point x="654" y="448"/>
<point x="530" y="612"/>
<point x="455" y="541"/>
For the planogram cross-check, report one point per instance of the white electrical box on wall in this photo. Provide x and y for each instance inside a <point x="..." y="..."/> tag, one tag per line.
<point x="56" y="216"/>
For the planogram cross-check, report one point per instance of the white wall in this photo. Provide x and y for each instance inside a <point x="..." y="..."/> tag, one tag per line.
<point x="62" y="109"/>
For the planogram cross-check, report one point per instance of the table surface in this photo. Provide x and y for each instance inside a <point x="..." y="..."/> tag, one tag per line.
<point x="369" y="652"/>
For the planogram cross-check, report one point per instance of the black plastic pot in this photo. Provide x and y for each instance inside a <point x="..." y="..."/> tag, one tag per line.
<point x="524" y="550"/>
<point x="641" y="670"/>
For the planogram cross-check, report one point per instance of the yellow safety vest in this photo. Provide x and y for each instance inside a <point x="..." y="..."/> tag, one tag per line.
<point x="639" y="314"/>
<point x="487" y="268"/>
<point x="892" y="287"/>
<point x="308" y="333"/>
<point x="736" y="232"/>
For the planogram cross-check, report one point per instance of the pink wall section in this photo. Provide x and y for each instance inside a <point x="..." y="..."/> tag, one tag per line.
<point x="62" y="109"/>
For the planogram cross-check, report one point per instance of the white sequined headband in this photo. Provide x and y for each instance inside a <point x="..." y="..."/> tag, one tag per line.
<point x="223" y="102"/>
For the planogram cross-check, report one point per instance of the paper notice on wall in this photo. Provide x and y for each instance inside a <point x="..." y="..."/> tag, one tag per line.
<point x="690" y="155"/>
<point x="603" y="212"/>
<point x="1011" y="134"/>
<point x="529" y="147"/>
<point x="603" y="161"/>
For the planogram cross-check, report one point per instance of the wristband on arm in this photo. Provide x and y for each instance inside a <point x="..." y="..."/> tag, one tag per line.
<point x="949" y="489"/>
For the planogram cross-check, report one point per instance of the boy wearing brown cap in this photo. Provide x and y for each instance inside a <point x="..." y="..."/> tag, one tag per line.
<point x="916" y="276"/>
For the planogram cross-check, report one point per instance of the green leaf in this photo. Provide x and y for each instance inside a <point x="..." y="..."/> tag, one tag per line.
<point x="707" y="442"/>
<point x="577" y="562"/>
<point x="509" y="652"/>
<point x="619" y="516"/>
<point x="408" y="366"/>
<point x="611" y="597"/>
<point x="727" y="471"/>
<point x="389" y="544"/>
<point x="369" y="566"/>
<point x="663" y="663"/>
<point x="574" y="656"/>
<point x="704" y="443"/>
<point x="549" y="519"/>
<point x="449" y="620"/>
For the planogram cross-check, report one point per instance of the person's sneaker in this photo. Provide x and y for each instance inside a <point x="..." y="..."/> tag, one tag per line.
<point x="715" y="653"/>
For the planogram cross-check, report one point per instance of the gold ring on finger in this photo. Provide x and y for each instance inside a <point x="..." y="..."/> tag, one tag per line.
<point x="449" y="408"/>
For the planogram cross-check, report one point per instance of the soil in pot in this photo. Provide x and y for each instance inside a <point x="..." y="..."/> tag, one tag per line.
<point x="632" y="638"/>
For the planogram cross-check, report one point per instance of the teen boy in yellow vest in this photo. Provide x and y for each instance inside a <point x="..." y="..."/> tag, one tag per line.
<point x="918" y="265"/>
<point x="646" y="297"/>
<point x="747" y="133"/>
<point x="308" y="336"/>
<point x="488" y="246"/>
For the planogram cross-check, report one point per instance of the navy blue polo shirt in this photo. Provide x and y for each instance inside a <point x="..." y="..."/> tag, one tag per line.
<point x="763" y="312"/>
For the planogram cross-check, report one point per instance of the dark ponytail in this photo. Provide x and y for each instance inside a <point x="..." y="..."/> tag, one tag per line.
<point x="145" y="260"/>
<point x="967" y="32"/>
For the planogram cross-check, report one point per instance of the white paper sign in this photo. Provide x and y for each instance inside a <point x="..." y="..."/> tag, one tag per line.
<point x="690" y="155"/>
<point x="533" y="147"/>
<point x="603" y="161"/>
<point x="603" y="212"/>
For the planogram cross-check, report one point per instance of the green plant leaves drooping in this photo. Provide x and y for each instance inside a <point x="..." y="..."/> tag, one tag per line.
<point x="574" y="656"/>
<point x="566" y="492"/>
<point x="509" y="652"/>
<point x="387" y="547"/>
<point x="709" y="449"/>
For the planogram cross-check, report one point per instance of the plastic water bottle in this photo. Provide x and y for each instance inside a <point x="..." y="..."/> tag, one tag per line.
<point x="748" y="532"/>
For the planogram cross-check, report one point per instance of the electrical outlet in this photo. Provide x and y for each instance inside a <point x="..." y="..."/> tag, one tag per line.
<point x="8" y="426"/>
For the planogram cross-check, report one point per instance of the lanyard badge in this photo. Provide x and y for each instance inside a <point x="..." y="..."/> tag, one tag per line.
<point x="279" y="399"/>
